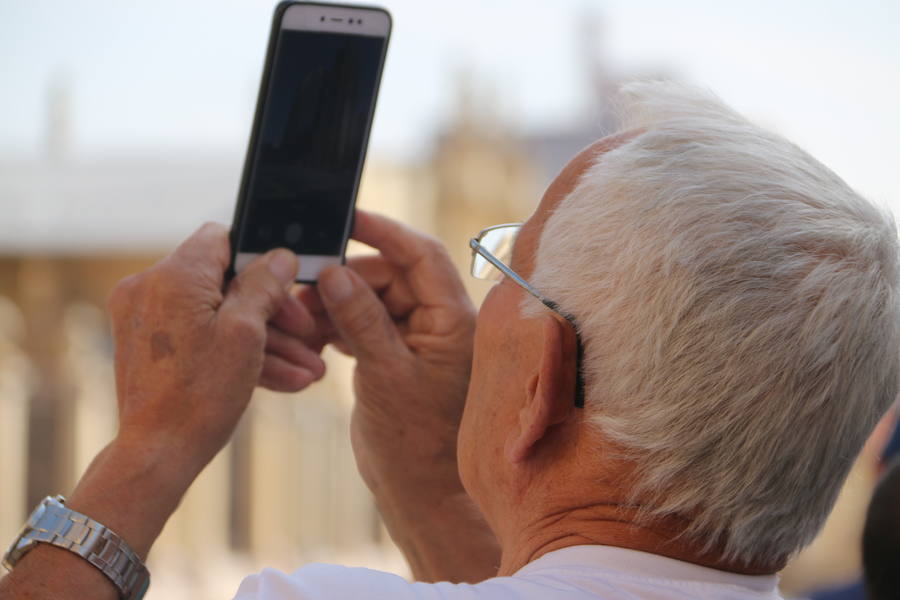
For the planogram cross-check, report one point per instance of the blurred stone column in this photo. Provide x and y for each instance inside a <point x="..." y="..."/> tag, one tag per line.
<point x="276" y="497"/>
<point x="314" y="471"/>
<point x="308" y="500"/>
<point x="42" y="298"/>
<point x="200" y="528"/>
<point x="14" y="389"/>
<point x="355" y="523"/>
<point x="90" y="360"/>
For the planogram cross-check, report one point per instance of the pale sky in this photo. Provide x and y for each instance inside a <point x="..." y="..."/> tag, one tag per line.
<point x="181" y="75"/>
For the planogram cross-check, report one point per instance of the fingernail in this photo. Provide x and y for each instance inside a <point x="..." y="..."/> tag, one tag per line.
<point x="336" y="285"/>
<point x="283" y="265"/>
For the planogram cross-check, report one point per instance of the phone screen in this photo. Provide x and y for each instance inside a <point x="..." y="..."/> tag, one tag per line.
<point x="311" y="142"/>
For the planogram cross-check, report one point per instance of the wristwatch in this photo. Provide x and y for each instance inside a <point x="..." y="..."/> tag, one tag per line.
<point x="53" y="523"/>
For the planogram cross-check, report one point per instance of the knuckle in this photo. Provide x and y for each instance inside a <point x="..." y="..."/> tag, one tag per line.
<point x="264" y="283"/>
<point x="171" y="275"/>
<point x="163" y="271"/>
<point x="213" y="226"/>
<point x="215" y="230"/>
<point x="437" y="253"/>
<point x="246" y="328"/>
<point x="272" y="286"/>
<point x="363" y="317"/>
<point x="207" y="230"/>
<point x="433" y="245"/>
<point x="122" y="293"/>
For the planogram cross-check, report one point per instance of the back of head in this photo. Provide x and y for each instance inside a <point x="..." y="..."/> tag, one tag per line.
<point x="881" y="538"/>
<point x="740" y="310"/>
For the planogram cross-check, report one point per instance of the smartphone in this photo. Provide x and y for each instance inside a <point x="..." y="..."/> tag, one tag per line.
<point x="310" y="132"/>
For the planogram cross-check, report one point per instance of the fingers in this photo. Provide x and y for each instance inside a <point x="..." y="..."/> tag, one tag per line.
<point x="430" y="273"/>
<point x="388" y="282"/>
<point x="400" y="244"/>
<point x="295" y="351"/>
<point x="290" y="364"/>
<point x="325" y="332"/>
<point x="309" y="297"/>
<point x="280" y="375"/>
<point x="259" y="291"/>
<point x="294" y="318"/>
<point x="358" y="315"/>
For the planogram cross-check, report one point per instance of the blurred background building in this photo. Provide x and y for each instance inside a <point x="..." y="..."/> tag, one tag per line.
<point x="87" y="200"/>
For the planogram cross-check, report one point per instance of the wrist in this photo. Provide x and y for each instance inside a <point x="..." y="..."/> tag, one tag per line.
<point x="434" y="512"/>
<point x="132" y="488"/>
<point x="55" y="524"/>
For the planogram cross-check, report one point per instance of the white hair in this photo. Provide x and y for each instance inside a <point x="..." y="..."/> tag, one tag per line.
<point x="740" y="312"/>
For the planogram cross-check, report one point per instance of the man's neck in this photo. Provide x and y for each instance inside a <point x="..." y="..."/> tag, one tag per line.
<point x="576" y="492"/>
<point x="569" y="498"/>
<point x="614" y="525"/>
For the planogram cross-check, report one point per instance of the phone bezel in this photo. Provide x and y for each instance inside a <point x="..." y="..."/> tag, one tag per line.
<point x="310" y="265"/>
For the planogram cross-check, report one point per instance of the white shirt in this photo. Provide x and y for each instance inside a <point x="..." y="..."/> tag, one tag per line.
<point x="573" y="573"/>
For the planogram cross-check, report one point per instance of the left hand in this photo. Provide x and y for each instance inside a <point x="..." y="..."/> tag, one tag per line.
<point x="189" y="354"/>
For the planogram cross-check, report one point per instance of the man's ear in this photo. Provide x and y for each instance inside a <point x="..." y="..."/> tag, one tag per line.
<point x="550" y="393"/>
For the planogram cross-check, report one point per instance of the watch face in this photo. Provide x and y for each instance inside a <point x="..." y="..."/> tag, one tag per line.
<point x="14" y="553"/>
<point x="23" y="541"/>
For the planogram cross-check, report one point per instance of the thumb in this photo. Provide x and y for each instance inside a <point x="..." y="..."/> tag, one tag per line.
<point x="357" y="313"/>
<point x="261" y="288"/>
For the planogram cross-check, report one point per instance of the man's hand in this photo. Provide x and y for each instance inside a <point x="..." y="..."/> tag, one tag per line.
<point x="405" y="315"/>
<point x="189" y="354"/>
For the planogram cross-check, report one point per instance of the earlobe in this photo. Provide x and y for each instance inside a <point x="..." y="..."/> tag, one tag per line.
<point x="548" y="395"/>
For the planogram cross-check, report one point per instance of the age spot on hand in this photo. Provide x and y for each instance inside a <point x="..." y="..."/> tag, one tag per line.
<point x="161" y="346"/>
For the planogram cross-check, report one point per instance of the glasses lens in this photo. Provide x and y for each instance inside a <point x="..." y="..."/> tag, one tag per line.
<point x="499" y="242"/>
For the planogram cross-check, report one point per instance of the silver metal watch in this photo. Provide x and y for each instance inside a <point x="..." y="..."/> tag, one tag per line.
<point x="53" y="523"/>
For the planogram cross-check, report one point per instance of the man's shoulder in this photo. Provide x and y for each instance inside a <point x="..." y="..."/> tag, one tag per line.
<point x="318" y="581"/>
<point x="562" y="575"/>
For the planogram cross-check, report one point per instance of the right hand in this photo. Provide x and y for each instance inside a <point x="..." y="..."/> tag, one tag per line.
<point x="406" y="317"/>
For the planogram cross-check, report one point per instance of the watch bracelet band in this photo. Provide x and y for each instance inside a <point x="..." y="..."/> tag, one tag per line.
<point x="53" y="523"/>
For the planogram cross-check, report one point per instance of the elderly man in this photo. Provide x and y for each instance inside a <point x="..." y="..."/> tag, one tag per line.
<point x="694" y="334"/>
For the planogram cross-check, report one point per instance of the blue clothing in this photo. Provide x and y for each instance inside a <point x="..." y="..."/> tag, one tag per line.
<point x="893" y="448"/>
<point x="849" y="591"/>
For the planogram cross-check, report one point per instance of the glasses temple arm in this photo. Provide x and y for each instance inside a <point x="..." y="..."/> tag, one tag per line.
<point x="488" y="256"/>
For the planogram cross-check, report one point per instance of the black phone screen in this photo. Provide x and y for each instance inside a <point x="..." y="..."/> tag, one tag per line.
<point x="310" y="142"/>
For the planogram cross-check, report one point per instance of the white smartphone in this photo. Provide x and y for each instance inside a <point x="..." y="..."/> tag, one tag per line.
<point x="310" y="133"/>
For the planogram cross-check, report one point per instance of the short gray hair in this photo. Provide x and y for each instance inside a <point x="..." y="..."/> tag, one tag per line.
<point x="741" y="318"/>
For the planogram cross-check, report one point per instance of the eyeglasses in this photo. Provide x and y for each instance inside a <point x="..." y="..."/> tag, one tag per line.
<point x="493" y="247"/>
